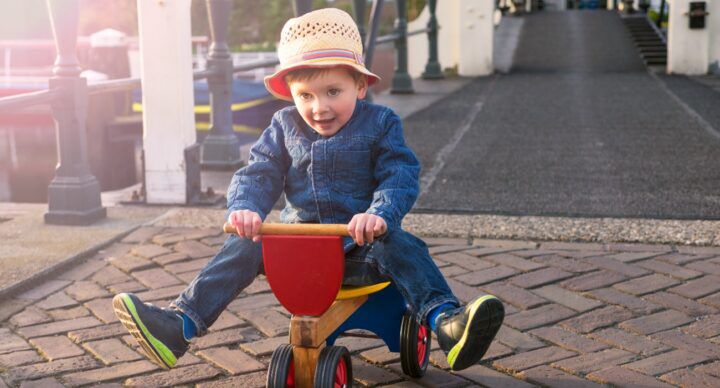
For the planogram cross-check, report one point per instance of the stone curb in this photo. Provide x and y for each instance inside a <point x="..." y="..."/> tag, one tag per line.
<point x="22" y="285"/>
<point x="532" y="228"/>
<point x="596" y="230"/>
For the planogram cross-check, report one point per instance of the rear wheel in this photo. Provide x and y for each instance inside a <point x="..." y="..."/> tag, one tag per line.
<point x="334" y="368"/>
<point x="415" y="341"/>
<point x="281" y="372"/>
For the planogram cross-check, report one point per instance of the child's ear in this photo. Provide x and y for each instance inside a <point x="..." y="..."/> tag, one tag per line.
<point x="362" y="86"/>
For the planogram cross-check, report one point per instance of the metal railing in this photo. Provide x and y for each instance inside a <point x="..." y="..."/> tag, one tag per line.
<point x="74" y="193"/>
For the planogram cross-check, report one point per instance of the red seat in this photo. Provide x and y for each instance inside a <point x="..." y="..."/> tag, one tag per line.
<point x="304" y="272"/>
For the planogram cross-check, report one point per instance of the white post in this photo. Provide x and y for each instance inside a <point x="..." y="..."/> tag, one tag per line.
<point x="688" y="50"/>
<point x="713" y="21"/>
<point x="167" y="87"/>
<point x="476" y="31"/>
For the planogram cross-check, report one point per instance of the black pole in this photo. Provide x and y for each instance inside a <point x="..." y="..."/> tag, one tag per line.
<point x="301" y="7"/>
<point x="661" y="14"/>
<point x="359" y="13"/>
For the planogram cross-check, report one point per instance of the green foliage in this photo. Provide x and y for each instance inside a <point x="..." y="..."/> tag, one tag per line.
<point x="414" y="8"/>
<point x="255" y="47"/>
<point x="654" y="15"/>
<point x="96" y="15"/>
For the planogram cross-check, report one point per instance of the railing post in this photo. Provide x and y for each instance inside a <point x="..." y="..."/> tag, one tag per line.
<point x="432" y="69"/>
<point x="301" y="7"/>
<point x="401" y="82"/>
<point x="74" y="193"/>
<point x="359" y="11"/>
<point x="661" y="14"/>
<point x="628" y="7"/>
<point x="221" y="148"/>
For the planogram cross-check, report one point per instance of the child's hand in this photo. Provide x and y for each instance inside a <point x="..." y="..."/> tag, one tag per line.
<point x="365" y="227"/>
<point x="247" y="224"/>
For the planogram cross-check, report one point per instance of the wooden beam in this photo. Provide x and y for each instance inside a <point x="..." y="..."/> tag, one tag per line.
<point x="313" y="331"/>
<point x="305" y="360"/>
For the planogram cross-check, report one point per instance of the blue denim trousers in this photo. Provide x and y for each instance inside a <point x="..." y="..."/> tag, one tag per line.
<point x="398" y="256"/>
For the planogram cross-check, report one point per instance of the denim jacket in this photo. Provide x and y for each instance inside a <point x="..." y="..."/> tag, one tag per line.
<point x="365" y="167"/>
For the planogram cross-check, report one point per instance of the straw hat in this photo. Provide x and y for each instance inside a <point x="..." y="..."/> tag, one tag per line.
<point x="324" y="38"/>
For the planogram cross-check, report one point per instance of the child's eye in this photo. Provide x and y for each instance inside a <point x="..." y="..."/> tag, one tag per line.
<point x="333" y="92"/>
<point x="304" y="96"/>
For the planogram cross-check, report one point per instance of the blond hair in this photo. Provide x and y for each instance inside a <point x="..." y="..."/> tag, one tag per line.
<point x="310" y="73"/>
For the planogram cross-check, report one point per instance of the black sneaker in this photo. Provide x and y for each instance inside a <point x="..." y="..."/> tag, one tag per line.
<point x="158" y="331"/>
<point x="465" y="333"/>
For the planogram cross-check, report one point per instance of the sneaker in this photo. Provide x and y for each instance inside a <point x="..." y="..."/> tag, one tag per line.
<point x="159" y="331"/>
<point x="465" y="333"/>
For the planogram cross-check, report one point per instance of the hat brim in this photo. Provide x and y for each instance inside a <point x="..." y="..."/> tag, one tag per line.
<point x="277" y="86"/>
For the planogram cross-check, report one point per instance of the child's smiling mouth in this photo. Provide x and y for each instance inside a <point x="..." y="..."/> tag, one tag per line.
<point x="324" y="121"/>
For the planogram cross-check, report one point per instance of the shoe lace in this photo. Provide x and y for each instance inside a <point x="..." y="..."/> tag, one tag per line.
<point x="449" y="314"/>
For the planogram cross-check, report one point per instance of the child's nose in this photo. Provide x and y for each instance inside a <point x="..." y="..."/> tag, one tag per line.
<point x="319" y="105"/>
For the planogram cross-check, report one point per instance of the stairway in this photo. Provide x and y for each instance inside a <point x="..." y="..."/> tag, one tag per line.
<point x="648" y="39"/>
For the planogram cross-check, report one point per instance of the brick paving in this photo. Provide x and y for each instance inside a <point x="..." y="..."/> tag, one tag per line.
<point x="579" y="315"/>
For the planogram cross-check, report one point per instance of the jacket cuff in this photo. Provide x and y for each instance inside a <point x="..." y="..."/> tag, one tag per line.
<point x="392" y="224"/>
<point x="244" y="205"/>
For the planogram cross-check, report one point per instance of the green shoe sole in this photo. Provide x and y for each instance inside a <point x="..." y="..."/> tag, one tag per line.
<point x="486" y="317"/>
<point x="155" y="350"/>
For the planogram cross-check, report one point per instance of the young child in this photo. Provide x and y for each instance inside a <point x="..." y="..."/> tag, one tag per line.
<point x="338" y="159"/>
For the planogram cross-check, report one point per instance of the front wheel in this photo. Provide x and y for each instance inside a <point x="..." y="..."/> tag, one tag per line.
<point x="334" y="368"/>
<point x="415" y="341"/>
<point x="281" y="372"/>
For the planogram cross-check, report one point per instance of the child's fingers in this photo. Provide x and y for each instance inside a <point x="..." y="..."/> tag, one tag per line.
<point x="380" y="228"/>
<point x="351" y="227"/>
<point x="256" y="225"/>
<point x="248" y="226"/>
<point x="360" y="230"/>
<point x="369" y="227"/>
<point x="237" y="222"/>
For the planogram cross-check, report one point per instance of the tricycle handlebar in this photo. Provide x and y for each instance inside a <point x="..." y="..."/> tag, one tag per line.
<point x="297" y="229"/>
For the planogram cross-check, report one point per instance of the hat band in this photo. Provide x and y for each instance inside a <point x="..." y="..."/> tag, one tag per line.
<point x="326" y="54"/>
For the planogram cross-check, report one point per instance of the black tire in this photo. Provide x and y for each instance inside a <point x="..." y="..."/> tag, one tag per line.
<point x="281" y="372"/>
<point x="330" y="369"/>
<point x="415" y="344"/>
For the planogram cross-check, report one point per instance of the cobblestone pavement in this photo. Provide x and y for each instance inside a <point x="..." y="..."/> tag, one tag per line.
<point x="578" y="315"/>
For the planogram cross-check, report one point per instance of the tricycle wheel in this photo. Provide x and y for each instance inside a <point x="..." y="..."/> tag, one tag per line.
<point x="415" y="341"/>
<point x="334" y="368"/>
<point x="281" y="372"/>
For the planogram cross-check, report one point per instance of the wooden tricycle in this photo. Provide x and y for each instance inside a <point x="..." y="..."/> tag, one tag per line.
<point x="304" y="265"/>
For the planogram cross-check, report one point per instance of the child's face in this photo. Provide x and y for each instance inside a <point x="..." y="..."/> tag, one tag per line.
<point x="327" y="101"/>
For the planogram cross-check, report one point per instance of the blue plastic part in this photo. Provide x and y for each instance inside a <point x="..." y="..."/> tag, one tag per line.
<point x="381" y="314"/>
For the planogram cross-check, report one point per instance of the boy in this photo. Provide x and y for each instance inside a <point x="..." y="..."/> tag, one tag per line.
<point x="338" y="159"/>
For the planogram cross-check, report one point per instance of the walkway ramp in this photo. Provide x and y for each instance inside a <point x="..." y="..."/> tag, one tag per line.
<point x="578" y="127"/>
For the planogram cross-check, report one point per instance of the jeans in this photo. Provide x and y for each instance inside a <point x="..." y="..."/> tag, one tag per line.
<point x="398" y="256"/>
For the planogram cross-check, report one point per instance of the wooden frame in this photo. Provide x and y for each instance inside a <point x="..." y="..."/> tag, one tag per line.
<point x="308" y="335"/>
